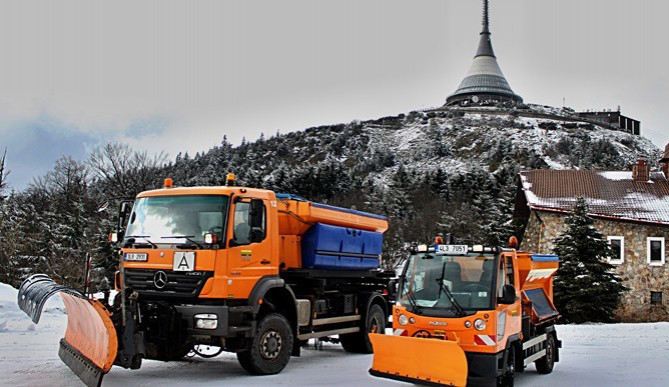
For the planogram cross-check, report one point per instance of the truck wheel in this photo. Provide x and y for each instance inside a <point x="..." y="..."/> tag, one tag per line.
<point x="269" y="350"/>
<point x="546" y="363"/>
<point x="506" y="380"/>
<point x="359" y="342"/>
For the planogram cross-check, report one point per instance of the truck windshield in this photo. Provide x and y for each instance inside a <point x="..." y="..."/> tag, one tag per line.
<point x="448" y="286"/>
<point x="177" y="219"/>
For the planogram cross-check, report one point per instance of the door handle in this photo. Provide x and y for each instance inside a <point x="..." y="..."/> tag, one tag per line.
<point x="265" y="262"/>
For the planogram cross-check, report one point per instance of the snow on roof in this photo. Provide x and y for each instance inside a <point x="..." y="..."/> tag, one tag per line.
<point x="608" y="193"/>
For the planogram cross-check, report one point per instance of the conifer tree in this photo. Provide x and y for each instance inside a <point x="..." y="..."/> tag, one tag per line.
<point x="586" y="289"/>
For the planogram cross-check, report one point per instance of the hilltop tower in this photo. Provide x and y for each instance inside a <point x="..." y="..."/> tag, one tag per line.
<point x="485" y="83"/>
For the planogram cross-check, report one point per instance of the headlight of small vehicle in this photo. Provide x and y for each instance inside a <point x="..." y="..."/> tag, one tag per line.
<point x="479" y="324"/>
<point x="403" y="320"/>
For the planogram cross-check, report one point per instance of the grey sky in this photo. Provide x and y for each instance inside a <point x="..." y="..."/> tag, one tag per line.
<point x="178" y="75"/>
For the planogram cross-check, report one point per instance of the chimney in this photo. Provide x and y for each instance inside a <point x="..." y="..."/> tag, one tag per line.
<point x="664" y="162"/>
<point x="641" y="171"/>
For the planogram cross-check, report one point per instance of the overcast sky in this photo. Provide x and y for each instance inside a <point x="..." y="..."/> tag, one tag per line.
<point x="179" y="75"/>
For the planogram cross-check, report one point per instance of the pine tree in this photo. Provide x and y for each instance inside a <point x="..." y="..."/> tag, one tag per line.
<point x="586" y="289"/>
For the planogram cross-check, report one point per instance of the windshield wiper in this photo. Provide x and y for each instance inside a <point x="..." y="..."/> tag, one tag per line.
<point x="186" y="237"/>
<point x="145" y="237"/>
<point x="414" y="303"/>
<point x="442" y="287"/>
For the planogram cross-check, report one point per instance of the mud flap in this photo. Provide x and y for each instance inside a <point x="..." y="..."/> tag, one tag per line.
<point x="90" y="344"/>
<point x="419" y="360"/>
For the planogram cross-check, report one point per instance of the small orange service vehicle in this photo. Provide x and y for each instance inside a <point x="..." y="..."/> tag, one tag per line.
<point x="470" y="315"/>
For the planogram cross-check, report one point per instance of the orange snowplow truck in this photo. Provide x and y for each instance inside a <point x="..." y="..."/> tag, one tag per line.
<point x="470" y="315"/>
<point x="231" y="268"/>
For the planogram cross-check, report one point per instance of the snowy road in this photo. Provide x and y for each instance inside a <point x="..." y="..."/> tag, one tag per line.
<point x="592" y="355"/>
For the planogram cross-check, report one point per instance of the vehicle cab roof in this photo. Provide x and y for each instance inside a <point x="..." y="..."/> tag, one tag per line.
<point x="216" y="190"/>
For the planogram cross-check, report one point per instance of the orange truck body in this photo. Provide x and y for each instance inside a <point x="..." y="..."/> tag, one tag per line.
<point x="235" y="271"/>
<point x="463" y="353"/>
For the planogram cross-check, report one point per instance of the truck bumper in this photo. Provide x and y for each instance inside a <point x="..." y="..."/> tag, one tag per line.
<point x="484" y="368"/>
<point x="188" y="313"/>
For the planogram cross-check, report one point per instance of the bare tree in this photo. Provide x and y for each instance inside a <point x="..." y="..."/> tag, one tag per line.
<point x="3" y="174"/>
<point x="124" y="171"/>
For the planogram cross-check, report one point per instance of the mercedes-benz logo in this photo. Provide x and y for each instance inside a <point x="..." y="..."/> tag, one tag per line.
<point x="160" y="279"/>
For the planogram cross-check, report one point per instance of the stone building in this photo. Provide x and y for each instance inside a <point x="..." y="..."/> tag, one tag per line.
<point x="630" y="208"/>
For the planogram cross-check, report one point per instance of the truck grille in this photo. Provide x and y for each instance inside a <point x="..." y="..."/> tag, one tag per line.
<point x="167" y="284"/>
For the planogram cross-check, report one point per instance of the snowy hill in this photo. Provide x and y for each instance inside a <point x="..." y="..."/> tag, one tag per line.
<point x="452" y="140"/>
<point x="450" y="171"/>
<point x="447" y="171"/>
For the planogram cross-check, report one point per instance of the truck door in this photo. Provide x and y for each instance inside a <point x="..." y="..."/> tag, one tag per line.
<point x="509" y="315"/>
<point x="249" y="246"/>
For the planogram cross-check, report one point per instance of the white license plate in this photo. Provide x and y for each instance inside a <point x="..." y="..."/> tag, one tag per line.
<point x="452" y="249"/>
<point x="137" y="257"/>
<point x="184" y="261"/>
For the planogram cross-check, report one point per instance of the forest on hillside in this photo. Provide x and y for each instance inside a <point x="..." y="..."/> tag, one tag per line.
<point x="429" y="173"/>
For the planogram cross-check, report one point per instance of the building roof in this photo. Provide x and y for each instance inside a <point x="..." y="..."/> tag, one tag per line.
<point x="485" y="76"/>
<point x="610" y="194"/>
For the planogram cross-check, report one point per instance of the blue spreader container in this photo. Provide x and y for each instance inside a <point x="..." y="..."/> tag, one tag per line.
<point x="340" y="248"/>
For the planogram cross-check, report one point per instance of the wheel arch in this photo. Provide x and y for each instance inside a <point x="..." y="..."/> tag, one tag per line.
<point x="550" y="330"/>
<point x="368" y="299"/>
<point x="514" y="342"/>
<point x="272" y="294"/>
<point x="261" y="287"/>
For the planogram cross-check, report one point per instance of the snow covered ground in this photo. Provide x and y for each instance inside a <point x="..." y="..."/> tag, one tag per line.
<point x="592" y="355"/>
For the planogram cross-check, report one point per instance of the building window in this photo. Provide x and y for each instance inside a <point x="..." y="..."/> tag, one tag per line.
<point x="618" y="246"/>
<point x="655" y="297"/>
<point x="655" y="251"/>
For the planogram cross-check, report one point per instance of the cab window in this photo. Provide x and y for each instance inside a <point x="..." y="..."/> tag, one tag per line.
<point x="248" y="227"/>
<point x="505" y="275"/>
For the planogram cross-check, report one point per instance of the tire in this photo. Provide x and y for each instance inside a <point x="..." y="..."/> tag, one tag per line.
<point x="268" y="352"/>
<point x="545" y="364"/>
<point x="358" y="342"/>
<point x="506" y="379"/>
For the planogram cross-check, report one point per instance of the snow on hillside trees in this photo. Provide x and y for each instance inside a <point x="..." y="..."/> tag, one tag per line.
<point x="435" y="172"/>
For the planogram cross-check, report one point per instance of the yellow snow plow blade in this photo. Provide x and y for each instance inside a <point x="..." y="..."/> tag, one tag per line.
<point x="90" y="344"/>
<point x="419" y="360"/>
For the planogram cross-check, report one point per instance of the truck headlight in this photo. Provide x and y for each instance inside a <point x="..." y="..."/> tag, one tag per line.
<point x="479" y="324"/>
<point x="206" y="321"/>
<point x="403" y="320"/>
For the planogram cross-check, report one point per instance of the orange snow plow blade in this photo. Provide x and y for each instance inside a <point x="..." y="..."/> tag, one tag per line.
<point x="419" y="360"/>
<point x="90" y="343"/>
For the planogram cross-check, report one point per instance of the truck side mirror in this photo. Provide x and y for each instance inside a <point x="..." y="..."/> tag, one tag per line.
<point x="392" y="287"/>
<point x="508" y="295"/>
<point x="103" y="206"/>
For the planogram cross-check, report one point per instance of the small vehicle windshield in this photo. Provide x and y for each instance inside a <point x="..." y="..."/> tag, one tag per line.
<point x="177" y="219"/>
<point x="447" y="285"/>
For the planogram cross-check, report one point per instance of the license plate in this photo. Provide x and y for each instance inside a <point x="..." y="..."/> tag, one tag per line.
<point x="451" y="249"/>
<point x="136" y="257"/>
<point x="184" y="261"/>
